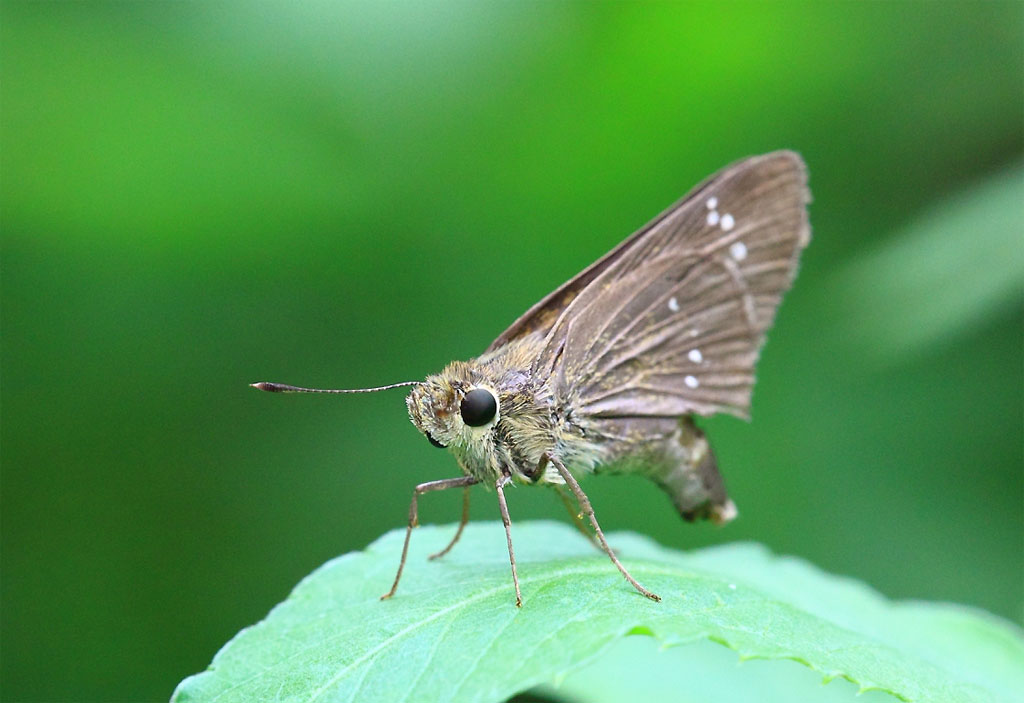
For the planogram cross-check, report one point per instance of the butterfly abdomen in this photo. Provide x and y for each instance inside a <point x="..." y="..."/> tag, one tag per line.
<point x="673" y="453"/>
<point x="690" y="476"/>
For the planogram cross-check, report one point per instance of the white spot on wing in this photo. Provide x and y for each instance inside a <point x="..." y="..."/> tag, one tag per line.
<point x="695" y="356"/>
<point x="738" y="251"/>
<point x="727" y="222"/>
<point x="673" y="304"/>
<point x="712" y="203"/>
<point x="713" y="218"/>
<point x="691" y="381"/>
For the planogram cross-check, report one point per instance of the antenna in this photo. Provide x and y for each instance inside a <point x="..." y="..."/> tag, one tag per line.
<point x="284" y="388"/>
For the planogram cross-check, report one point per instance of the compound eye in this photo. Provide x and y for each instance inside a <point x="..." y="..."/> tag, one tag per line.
<point x="435" y="442"/>
<point x="479" y="407"/>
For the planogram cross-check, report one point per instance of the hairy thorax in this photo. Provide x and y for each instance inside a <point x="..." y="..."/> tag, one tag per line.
<point x="528" y="423"/>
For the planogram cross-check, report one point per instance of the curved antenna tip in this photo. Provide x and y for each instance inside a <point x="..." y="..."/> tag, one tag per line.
<point x="285" y="388"/>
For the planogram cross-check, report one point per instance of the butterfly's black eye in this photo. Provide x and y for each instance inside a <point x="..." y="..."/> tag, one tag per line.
<point x="435" y="442"/>
<point x="479" y="407"/>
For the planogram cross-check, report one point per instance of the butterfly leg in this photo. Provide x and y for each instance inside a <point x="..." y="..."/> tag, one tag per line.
<point x="500" y="487"/>
<point x="588" y="510"/>
<point x="574" y="513"/>
<point x="414" y="517"/>
<point x="462" y="526"/>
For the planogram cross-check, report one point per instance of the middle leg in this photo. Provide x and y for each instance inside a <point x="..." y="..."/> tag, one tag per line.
<point x="500" y="487"/>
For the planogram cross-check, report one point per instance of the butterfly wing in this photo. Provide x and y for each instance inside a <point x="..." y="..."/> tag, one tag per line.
<point x="546" y="312"/>
<point x="671" y="322"/>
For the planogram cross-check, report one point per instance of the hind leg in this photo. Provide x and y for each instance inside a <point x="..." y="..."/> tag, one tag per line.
<point x="588" y="510"/>
<point x="577" y="517"/>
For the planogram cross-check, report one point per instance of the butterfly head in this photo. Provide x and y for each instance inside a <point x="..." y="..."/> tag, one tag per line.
<point x="453" y="409"/>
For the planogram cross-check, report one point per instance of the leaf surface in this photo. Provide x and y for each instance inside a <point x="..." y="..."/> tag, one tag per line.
<point x="950" y="270"/>
<point x="453" y="633"/>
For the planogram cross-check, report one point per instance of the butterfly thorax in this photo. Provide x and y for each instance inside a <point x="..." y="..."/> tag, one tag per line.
<point x="527" y="423"/>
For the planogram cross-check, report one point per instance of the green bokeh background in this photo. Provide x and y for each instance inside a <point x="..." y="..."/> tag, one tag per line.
<point x="197" y="196"/>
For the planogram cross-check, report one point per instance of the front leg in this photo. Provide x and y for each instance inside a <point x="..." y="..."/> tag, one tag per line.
<point x="462" y="526"/>
<point x="414" y="517"/>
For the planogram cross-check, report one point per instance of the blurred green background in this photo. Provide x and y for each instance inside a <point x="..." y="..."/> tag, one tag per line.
<point x="197" y="196"/>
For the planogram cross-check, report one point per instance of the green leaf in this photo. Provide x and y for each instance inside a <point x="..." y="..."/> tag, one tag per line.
<point x="697" y="672"/>
<point x="453" y="633"/>
<point x="947" y="272"/>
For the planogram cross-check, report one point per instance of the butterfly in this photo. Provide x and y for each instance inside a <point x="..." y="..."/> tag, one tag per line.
<point x="606" y="373"/>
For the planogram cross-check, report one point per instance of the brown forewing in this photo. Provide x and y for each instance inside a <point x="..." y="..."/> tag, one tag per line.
<point x="543" y="315"/>
<point x="671" y="321"/>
